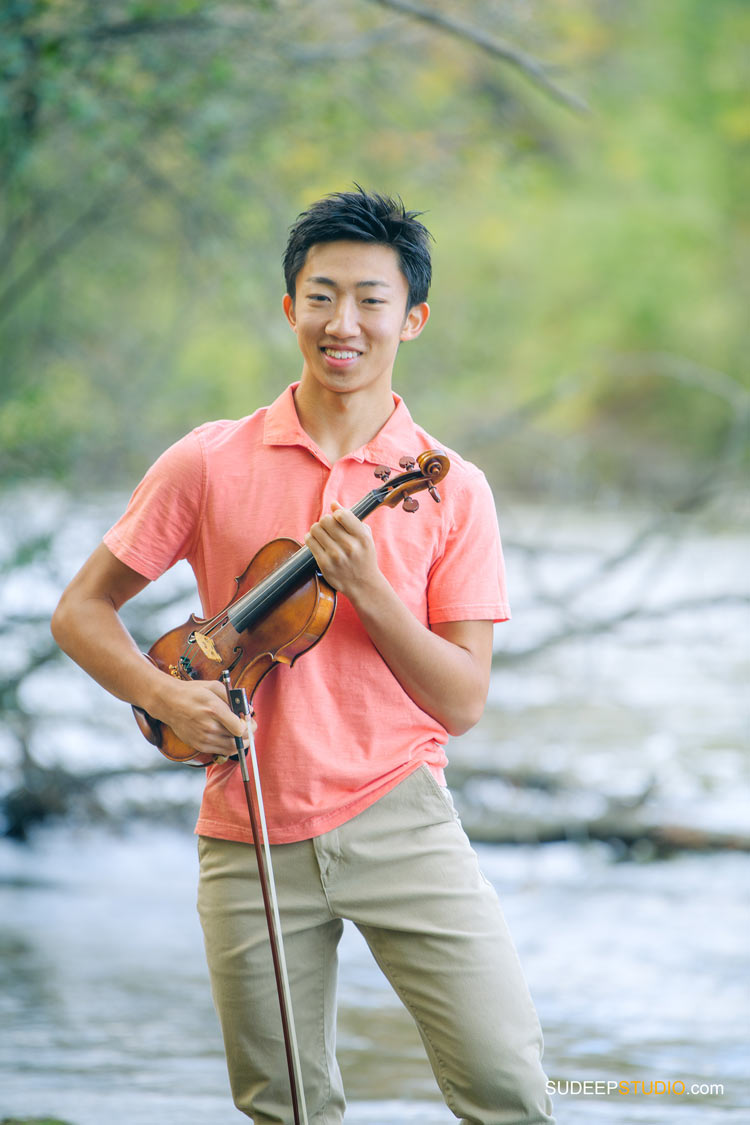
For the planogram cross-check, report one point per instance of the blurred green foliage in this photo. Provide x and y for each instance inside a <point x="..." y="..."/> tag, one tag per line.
<point x="153" y="155"/>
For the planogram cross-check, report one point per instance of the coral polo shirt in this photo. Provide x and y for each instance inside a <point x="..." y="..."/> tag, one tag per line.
<point x="336" y="730"/>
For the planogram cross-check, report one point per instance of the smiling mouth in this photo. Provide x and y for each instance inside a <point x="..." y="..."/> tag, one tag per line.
<point x="340" y="353"/>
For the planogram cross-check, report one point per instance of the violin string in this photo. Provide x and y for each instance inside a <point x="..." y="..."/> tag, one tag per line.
<point x="264" y="596"/>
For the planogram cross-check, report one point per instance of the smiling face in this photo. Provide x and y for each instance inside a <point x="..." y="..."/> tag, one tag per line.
<point x="350" y="315"/>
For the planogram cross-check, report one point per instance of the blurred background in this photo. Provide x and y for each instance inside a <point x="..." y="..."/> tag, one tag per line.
<point x="584" y="169"/>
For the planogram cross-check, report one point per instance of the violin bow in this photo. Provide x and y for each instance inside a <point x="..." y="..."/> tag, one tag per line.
<point x="238" y="701"/>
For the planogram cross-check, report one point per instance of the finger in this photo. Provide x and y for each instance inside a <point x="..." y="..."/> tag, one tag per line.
<point x="224" y="713"/>
<point x="345" y="519"/>
<point x="314" y="545"/>
<point x="329" y="526"/>
<point x="326" y="544"/>
<point x="227" y="743"/>
<point x="217" y="688"/>
<point x="342" y="530"/>
<point x="337" y="520"/>
<point x="236" y="726"/>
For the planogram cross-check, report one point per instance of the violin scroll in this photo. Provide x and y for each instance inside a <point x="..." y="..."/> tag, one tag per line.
<point x="434" y="464"/>
<point x="430" y="467"/>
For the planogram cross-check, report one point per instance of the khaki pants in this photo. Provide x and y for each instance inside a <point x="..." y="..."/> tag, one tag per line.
<point x="403" y="871"/>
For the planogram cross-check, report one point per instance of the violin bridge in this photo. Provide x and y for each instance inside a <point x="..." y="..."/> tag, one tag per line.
<point x="207" y="647"/>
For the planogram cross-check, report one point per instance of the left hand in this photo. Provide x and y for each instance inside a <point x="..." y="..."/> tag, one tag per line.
<point x="344" y="550"/>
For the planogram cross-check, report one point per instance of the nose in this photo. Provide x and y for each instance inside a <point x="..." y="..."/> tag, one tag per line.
<point x="344" y="319"/>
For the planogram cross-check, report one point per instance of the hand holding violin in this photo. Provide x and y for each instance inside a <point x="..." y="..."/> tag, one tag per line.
<point x="344" y="550"/>
<point x="198" y="714"/>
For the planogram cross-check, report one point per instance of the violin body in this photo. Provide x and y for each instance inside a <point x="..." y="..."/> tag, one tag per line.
<point x="282" y="607"/>
<point x="203" y="648"/>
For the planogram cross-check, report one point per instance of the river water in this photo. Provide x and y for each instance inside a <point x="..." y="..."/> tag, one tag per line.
<point x="638" y="961"/>
<point x="639" y="972"/>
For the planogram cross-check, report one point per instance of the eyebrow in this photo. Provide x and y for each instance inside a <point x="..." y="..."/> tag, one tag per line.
<point x="333" y="285"/>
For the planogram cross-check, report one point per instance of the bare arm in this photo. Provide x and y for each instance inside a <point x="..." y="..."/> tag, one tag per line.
<point x="446" y="669"/>
<point x="88" y="627"/>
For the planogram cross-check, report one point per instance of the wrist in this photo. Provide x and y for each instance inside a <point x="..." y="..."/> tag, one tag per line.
<point x="159" y="694"/>
<point x="370" y="596"/>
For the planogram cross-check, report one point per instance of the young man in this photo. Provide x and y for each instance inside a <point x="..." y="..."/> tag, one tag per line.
<point x="351" y="740"/>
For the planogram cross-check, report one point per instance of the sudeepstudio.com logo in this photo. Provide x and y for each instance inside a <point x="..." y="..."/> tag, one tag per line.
<point x="656" y="1087"/>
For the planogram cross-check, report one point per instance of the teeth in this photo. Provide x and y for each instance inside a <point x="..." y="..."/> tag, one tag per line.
<point x="334" y="353"/>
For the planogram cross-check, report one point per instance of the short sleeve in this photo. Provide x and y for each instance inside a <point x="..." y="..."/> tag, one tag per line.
<point x="467" y="582"/>
<point x="161" y="521"/>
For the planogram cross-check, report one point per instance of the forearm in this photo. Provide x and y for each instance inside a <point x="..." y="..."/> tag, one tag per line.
<point x="92" y="634"/>
<point x="87" y="626"/>
<point x="446" y="680"/>
<point x="446" y="669"/>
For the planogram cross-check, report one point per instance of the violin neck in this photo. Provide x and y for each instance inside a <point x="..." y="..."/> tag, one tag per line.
<point x="364" y="507"/>
<point x="278" y="585"/>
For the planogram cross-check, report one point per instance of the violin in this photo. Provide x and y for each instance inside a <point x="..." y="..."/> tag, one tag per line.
<point x="281" y="608"/>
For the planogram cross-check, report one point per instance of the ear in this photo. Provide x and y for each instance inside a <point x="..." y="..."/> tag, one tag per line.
<point x="288" y="306"/>
<point x="416" y="318"/>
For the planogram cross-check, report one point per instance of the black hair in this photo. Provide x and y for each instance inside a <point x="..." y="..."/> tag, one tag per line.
<point x="360" y="216"/>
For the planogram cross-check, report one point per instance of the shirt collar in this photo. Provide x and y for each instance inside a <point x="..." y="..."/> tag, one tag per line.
<point x="393" y="440"/>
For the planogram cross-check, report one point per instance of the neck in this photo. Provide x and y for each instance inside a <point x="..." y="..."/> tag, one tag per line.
<point x="341" y="423"/>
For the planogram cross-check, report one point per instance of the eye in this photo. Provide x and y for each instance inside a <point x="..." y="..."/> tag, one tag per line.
<point x="318" y="298"/>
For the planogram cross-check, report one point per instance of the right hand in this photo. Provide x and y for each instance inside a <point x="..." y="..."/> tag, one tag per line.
<point x="198" y="713"/>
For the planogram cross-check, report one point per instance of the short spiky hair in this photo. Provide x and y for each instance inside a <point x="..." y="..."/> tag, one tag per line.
<point x="360" y="216"/>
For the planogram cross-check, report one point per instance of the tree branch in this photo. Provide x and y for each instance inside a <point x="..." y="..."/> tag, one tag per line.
<point x="595" y="628"/>
<point x="530" y="67"/>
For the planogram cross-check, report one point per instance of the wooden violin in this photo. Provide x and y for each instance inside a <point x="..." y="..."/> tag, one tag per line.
<point x="282" y="607"/>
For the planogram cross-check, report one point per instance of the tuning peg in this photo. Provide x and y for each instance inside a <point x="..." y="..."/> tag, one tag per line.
<point x="407" y="463"/>
<point x="433" y="493"/>
<point x="382" y="472"/>
<point x="410" y="504"/>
